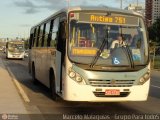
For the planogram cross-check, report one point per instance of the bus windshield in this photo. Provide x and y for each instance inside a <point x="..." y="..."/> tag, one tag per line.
<point x="13" y="47"/>
<point x="86" y="39"/>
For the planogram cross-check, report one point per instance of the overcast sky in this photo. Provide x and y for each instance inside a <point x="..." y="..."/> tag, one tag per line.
<point x="17" y="16"/>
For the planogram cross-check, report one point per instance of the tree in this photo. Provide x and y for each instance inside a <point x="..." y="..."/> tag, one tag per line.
<point x="154" y="32"/>
<point x="26" y="44"/>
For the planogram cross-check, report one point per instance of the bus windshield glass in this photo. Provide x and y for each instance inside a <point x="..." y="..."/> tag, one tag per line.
<point x="120" y="32"/>
<point x="14" y="47"/>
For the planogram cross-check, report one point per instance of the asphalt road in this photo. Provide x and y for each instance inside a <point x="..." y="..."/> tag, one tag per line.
<point x="41" y="103"/>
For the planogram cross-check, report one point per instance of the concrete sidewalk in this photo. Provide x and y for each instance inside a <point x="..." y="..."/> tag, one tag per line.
<point x="10" y="100"/>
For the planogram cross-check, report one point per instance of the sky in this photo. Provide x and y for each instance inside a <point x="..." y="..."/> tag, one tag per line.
<point x="18" y="16"/>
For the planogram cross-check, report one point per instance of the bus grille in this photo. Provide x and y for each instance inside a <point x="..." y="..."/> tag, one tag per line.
<point x="111" y="83"/>
<point x="102" y="94"/>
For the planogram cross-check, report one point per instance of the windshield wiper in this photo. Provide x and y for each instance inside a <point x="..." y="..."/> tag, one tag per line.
<point x="100" y="49"/>
<point x="130" y="56"/>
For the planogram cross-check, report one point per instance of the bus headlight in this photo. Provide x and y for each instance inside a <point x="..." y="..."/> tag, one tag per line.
<point x="147" y="76"/>
<point x="79" y="79"/>
<point x="75" y="76"/>
<point x="72" y="74"/>
<point x="144" y="78"/>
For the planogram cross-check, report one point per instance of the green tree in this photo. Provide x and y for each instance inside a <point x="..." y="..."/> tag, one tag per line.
<point x="26" y="45"/>
<point x="154" y="32"/>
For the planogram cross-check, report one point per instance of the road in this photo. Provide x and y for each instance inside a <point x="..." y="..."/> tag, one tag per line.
<point x="41" y="103"/>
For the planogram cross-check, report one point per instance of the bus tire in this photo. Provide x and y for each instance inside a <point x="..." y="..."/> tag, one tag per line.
<point x="53" y="86"/>
<point x="35" y="81"/>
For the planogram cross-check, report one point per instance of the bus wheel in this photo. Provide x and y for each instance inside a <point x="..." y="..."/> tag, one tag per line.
<point x="53" y="87"/>
<point x="33" y="76"/>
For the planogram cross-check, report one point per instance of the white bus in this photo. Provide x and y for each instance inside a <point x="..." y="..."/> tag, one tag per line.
<point x="15" y="49"/>
<point x="70" y="53"/>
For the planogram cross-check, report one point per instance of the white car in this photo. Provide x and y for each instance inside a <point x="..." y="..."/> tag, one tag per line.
<point x="26" y="53"/>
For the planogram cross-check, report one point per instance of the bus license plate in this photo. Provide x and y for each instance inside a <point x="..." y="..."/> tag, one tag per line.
<point x="112" y="92"/>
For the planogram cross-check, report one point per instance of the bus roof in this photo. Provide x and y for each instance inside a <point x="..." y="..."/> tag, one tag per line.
<point x="90" y="8"/>
<point x="100" y="8"/>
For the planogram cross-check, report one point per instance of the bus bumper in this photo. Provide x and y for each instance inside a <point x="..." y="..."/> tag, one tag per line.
<point x="77" y="92"/>
<point x="21" y="56"/>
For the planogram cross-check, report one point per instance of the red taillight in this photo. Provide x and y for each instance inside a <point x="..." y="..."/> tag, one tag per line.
<point x="71" y="15"/>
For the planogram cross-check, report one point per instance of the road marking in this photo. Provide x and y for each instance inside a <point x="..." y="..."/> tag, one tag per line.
<point x="23" y="94"/>
<point x="155" y="86"/>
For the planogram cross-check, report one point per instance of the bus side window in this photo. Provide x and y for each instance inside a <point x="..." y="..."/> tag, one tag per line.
<point x="43" y="35"/>
<point x="34" y="37"/>
<point x="38" y="36"/>
<point x="49" y="43"/>
<point x="54" y="34"/>
<point x="61" y="46"/>
<point x="46" y="34"/>
<point x="30" y="41"/>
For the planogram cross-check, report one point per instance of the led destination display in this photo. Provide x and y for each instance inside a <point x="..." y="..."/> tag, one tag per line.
<point x="116" y="19"/>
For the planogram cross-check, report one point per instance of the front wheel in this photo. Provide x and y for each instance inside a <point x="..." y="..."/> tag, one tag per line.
<point x="53" y="87"/>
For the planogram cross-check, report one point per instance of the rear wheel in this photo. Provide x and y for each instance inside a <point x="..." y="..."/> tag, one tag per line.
<point x="34" y="76"/>
<point x="53" y="86"/>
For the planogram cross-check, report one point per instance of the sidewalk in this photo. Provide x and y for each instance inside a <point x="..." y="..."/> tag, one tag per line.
<point x="10" y="100"/>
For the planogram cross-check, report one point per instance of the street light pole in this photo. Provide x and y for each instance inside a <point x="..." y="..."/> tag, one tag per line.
<point x="68" y="2"/>
<point x="121" y="4"/>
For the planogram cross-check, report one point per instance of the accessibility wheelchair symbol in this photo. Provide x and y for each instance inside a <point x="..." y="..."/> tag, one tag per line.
<point x="116" y="61"/>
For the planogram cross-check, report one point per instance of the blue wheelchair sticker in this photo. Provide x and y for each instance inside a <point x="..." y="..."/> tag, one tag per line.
<point x="116" y="61"/>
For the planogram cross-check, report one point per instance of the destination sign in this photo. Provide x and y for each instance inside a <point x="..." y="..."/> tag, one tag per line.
<point x="117" y="19"/>
<point x="84" y="51"/>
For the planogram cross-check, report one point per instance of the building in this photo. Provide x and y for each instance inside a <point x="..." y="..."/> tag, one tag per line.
<point x="140" y="8"/>
<point x="152" y="11"/>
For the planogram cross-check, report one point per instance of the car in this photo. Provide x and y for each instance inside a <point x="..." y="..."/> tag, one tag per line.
<point x="26" y="54"/>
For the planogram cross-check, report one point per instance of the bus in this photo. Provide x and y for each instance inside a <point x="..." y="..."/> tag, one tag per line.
<point x="71" y="54"/>
<point x="15" y="50"/>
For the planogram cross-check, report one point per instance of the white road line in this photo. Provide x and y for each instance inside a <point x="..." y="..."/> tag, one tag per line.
<point x="155" y="86"/>
<point x="23" y="94"/>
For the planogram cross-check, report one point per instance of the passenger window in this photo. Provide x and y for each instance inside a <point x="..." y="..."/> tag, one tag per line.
<point x="54" y="32"/>
<point x="37" y="39"/>
<point x="31" y="40"/>
<point x="40" y="35"/>
<point x="34" y="38"/>
<point x="43" y="36"/>
<point x="56" y="25"/>
<point x="46" y="34"/>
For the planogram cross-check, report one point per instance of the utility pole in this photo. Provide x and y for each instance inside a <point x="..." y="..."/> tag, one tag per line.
<point x="121" y="4"/>
<point x="136" y="6"/>
<point x="68" y="2"/>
